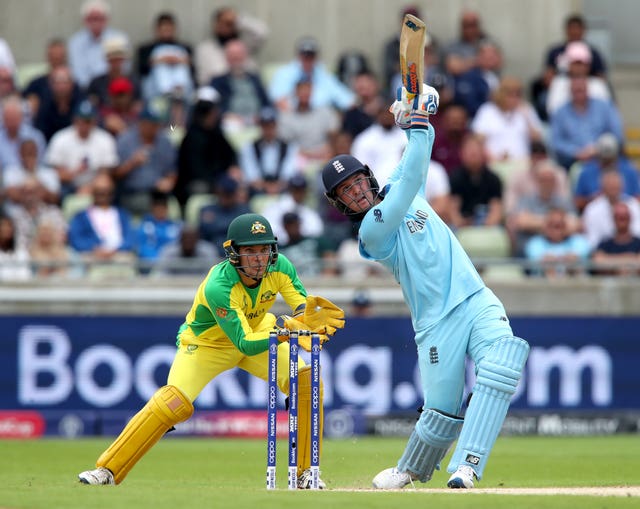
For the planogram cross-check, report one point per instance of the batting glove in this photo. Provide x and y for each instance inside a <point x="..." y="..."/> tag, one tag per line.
<point x="401" y="108"/>
<point x="428" y="101"/>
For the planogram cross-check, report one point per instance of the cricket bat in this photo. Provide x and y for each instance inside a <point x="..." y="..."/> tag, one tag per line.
<point x="412" y="41"/>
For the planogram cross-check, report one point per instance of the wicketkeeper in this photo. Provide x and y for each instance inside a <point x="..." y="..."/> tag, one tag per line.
<point x="228" y="326"/>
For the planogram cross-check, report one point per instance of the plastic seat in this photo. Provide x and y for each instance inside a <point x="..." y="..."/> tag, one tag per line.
<point x="194" y="203"/>
<point x="260" y="202"/>
<point x="74" y="203"/>
<point x="485" y="241"/>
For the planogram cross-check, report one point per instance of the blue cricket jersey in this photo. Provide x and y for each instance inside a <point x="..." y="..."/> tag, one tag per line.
<point x="405" y="235"/>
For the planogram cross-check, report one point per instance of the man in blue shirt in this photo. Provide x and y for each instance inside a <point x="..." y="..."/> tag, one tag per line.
<point x="328" y="90"/>
<point x="452" y="312"/>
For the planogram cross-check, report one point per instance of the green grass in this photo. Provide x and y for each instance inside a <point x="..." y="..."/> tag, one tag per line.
<point x="210" y="473"/>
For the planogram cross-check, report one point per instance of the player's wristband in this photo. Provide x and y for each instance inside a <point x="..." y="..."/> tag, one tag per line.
<point x="419" y="120"/>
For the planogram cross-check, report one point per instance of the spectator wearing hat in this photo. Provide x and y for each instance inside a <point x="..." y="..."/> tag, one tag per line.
<point x="294" y="200"/>
<point x="268" y="163"/>
<point x="575" y="27"/>
<point x="55" y="112"/>
<point x="86" y="51"/>
<point x="576" y="125"/>
<point x="242" y="93"/>
<point x="147" y="161"/>
<point x="117" y="53"/>
<point x="214" y="219"/>
<point x="204" y="154"/>
<point x="121" y="109"/>
<point x="327" y="90"/>
<point x="226" y="25"/>
<point x="577" y="62"/>
<point x="608" y="157"/>
<point x="80" y="151"/>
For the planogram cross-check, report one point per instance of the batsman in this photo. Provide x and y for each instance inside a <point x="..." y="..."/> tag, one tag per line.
<point x="228" y="326"/>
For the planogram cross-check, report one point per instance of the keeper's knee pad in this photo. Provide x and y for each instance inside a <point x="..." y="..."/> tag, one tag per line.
<point x="305" y="426"/>
<point x="167" y="407"/>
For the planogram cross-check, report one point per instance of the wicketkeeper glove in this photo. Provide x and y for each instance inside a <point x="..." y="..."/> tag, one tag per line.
<point x="321" y="313"/>
<point x="285" y="324"/>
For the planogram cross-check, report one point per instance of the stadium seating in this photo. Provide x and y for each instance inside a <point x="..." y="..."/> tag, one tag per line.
<point x="485" y="241"/>
<point x="194" y="203"/>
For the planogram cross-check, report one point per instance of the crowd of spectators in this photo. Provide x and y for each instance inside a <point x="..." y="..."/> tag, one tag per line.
<point x="138" y="158"/>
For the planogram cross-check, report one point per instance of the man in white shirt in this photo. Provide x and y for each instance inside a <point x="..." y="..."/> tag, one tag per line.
<point x="597" y="218"/>
<point x="79" y="151"/>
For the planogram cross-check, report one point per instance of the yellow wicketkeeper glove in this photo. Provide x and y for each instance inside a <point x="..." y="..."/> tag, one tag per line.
<point x="285" y="324"/>
<point x="321" y="313"/>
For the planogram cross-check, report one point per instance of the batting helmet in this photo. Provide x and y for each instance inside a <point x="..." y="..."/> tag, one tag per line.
<point x="339" y="169"/>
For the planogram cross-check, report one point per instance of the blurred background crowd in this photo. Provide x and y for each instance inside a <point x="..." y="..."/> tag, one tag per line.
<point x="122" y="159"/>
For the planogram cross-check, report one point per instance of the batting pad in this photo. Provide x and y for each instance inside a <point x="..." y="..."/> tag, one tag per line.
<point x="167" y="407"/>
<point x="304" y="418"/>
<point x="498" y="376"/>
<point x="429" y="442"/>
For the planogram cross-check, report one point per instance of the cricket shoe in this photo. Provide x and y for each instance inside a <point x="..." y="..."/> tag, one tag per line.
<point x="392" y="479"/>
<point x="305" y="479"/>
<point x="462" y="478"/>
<point x="98" y="476"/>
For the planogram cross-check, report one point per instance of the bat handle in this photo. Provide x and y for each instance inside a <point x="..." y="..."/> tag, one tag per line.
<point x="415" y="99"/>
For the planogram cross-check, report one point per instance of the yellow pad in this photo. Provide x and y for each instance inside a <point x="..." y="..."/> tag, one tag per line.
<point x="304" y="418"/>
<point x="168" y="406"/>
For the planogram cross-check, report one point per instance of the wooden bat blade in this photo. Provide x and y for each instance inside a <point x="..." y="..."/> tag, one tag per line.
<point x="412" y="40"/>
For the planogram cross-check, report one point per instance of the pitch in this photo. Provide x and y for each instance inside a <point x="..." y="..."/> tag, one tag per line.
<point x="553" y="472"/>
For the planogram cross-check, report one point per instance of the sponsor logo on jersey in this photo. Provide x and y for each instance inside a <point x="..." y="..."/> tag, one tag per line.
<point x="255" y="314"/>
<point x="377" y="214"/>
<point x="222" y="312"/>
<point x="433" y="355"/>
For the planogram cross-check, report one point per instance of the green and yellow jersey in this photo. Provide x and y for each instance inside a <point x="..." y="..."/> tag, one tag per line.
<point x="224" y="309"/>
